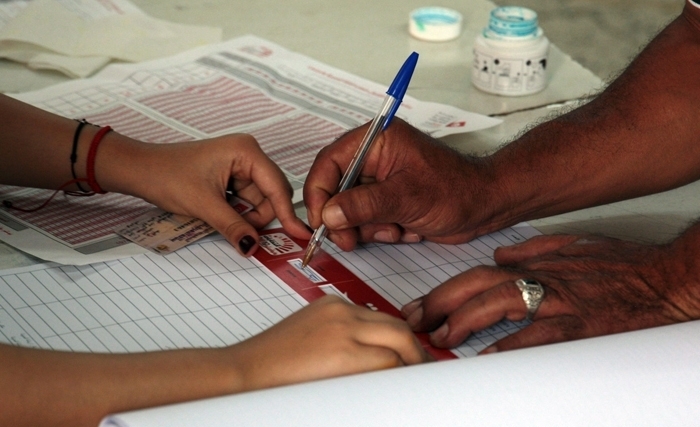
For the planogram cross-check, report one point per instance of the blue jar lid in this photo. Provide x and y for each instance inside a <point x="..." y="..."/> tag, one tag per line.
<point x="513" y="21"/>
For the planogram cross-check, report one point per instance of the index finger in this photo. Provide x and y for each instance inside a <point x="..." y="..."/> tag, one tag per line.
<point x="392" y="333"/>
<point x="274" y="186"/>
<point x="447" y="298"/>
<point x="531" y="248"/>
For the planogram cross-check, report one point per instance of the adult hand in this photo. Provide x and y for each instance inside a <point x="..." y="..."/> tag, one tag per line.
<point x="191" y="178"/>
<point x="411" y="187"/>
<point x="328" y="338"/>
<point x="593" y="286"/>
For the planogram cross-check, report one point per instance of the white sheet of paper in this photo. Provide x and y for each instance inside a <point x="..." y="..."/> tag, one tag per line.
<point x="78" y="38"/>
<point x="642" y="378"/>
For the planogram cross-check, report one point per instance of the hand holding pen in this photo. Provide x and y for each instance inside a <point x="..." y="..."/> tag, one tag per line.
<point x="380" y="122"/>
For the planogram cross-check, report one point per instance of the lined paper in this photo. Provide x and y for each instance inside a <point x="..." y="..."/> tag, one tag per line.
<point x="207" y="295"/>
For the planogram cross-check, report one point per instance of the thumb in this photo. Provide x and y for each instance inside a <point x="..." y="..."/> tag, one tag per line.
<point x="368" y="203"/>
<point x="224" y="219"/>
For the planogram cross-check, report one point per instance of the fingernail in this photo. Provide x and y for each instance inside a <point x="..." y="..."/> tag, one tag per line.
<point x="440" y="334"/>
<point x="414" y="318"/>
<point x="384" y="236"/>
<point x="410" y="238"/>
<point x="411" y="307"/>
<point x="246" y="244"/>
<point x="334" y="217"/>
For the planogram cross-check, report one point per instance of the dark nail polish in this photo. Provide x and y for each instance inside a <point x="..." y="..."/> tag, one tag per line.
<point x="246" y="244"/>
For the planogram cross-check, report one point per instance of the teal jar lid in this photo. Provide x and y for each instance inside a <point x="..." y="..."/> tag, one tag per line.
<point x="513" y="21"/>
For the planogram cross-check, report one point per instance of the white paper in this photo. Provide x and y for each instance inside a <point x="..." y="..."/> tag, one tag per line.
<point x="78" y="38"/>
<point x="292" y="104"/>
<point x="643" y="378"/>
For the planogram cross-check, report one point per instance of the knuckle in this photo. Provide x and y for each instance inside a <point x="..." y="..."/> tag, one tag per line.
<point x="404" y="335"/>
<point x="236" y="227"/>
<point x="569" y="328"/>
<point x="393" y="360"/>
<point x="337" y="309"/>
<point x="373" y="202"/>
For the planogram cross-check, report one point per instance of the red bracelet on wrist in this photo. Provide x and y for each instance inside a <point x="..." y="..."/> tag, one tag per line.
<point x="90" y="172"/>
<point x="92" y="152"/>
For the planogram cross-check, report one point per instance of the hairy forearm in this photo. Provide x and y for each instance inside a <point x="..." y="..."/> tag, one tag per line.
<point x="640" y="136"/>
<point x="682" y="268"/>
<point x="77" y="389"/>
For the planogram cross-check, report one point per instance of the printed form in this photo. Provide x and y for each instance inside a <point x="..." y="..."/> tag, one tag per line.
<point x="292" y="104"/>
<point x="207" y="295"/>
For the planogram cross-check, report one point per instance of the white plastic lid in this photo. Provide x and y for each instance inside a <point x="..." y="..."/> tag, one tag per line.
<point x="435" y="24"/>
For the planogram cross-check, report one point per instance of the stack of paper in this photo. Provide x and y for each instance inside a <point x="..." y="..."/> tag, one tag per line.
<point x="79" y="37"/>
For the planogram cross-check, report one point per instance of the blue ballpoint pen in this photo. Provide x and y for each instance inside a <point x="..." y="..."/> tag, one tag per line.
<point x="381" y="121"/>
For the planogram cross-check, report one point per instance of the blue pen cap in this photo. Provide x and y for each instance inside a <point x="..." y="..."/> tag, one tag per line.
<point x="403" y="78"/>
<point x="400" y="84"/>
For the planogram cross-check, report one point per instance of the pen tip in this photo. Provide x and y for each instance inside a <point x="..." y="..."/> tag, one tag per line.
<point x="309" y="254"/>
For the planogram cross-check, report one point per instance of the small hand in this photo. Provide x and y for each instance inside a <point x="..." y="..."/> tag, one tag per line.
<point x="328" y="338"/>
<point x="593" y="286"/>
<point x="411" y="187"/>
<point x="191" y="179"/>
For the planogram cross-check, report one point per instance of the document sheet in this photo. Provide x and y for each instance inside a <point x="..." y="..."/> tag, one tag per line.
<point x="206" y="295"/>
<point x="292" y="104"/>
<point x="640" y="378"/>
<point x="78" y="37"/>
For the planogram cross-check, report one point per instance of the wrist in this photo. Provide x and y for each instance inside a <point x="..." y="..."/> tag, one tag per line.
<point x="493" y="190"/>
<point x="681" y="265"/>
<point x="118" y="164"/>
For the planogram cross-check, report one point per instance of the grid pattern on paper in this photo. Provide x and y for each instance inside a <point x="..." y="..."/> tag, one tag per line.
<point x="402" y="273"/>
<point x="137" y="125"/>
<point x="294" y="142"/>
<point x="83" y="102"/>
<point x="204" y="295"/>
<point x="214" y="106"/>
<point x="170" y="77"/>
<point x="77" y="220"/>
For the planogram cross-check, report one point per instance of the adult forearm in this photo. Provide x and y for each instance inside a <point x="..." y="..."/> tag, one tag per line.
<point x="682" y="269"/>
<point x="638" y="137"/>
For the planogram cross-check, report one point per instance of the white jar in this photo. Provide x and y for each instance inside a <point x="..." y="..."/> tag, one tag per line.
<point x="510" y="55"/>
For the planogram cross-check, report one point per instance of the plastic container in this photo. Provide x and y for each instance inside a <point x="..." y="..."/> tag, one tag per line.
<point x="510" y="55"/>
<point x="435" y="24"/>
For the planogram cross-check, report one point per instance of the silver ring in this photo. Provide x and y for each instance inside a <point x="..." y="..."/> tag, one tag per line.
<point x="533" y="294"/>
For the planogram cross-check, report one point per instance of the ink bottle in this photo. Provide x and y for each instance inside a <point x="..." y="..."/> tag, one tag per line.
<point x="510" y="54"/>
